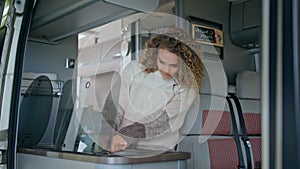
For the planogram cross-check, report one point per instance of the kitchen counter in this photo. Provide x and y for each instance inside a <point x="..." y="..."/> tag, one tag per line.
<point x="35" y="158"/>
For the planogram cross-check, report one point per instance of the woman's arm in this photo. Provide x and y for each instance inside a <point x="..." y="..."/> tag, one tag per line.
<point x="166" y="120"/>
<point x="121" y="140"/>
<point x="171" y="118"/>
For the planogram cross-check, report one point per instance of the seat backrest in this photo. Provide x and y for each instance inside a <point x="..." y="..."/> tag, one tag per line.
<point x="35" y="110"/>
<point x="248" y="93"/>
<point x="210" y="140"/>
<point x="64" y="114"/>
<point x="212" y="94"/>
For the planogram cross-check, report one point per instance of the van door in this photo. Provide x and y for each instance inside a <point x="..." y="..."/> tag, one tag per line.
<point x="15" y="22"/>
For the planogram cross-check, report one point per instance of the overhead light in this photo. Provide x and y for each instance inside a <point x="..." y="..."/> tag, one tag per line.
<point x="81" y="36"/>
<point x="117" y="55"/>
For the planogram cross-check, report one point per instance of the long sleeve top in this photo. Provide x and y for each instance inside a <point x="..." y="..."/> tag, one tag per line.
<point x="159" y="105"/>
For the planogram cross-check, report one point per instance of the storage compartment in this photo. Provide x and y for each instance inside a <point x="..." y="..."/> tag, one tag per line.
<point x="56" y="20"/>
<point x="245" y="23"/>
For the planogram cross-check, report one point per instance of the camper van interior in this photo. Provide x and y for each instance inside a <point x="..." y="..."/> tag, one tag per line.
<point x="61" y="70"/>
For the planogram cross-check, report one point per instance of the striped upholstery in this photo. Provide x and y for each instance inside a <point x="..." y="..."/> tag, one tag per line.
<point x="212" y="118"/>
<point x="223" y="153"/>
<point x="222" y="147"/>
<point x="256" y="149"/>
<point x="253" y="123"/>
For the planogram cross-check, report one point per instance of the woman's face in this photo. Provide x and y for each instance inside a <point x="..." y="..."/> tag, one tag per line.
<point x="167" y="63"/>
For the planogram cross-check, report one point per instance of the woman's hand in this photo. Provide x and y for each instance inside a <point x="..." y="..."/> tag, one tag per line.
<point x="118" y="144"/>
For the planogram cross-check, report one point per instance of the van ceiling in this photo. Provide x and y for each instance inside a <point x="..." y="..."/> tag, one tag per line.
<point x="55" y="20"/>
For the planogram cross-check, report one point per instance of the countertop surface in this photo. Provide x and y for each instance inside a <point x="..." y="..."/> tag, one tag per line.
<point x="122" y="157"/>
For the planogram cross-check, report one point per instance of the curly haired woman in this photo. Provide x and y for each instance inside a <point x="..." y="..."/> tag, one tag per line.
<point x="157" y="92"/>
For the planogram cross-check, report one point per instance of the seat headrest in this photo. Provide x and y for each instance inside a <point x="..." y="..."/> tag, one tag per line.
<point x="215" y="79"/>
<point x="248" y="85"/>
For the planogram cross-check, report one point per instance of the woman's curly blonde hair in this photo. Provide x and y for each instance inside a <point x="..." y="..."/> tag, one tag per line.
<point x="176" y="41"/>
